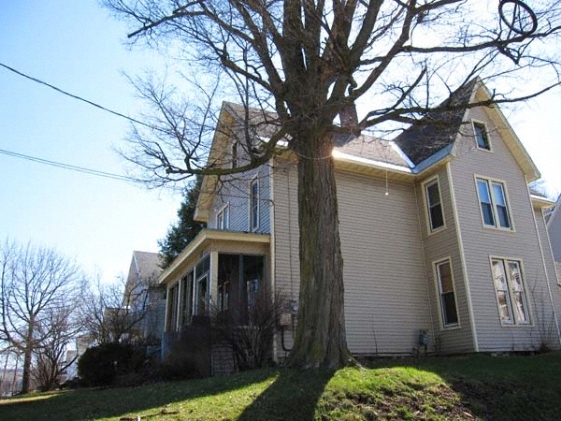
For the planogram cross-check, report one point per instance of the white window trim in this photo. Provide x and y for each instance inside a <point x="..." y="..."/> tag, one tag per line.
<point x="424" y="185"/>
<point x="513" y="323"/>
<point x="225" y="212"/>
<point x="496" y="225"/>
<point x="482" y="123"/>
<point x="252" y="228"/>
<point x="438" y="290"/>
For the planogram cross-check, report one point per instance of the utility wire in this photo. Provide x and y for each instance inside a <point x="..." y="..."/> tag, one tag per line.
<point x="68" y="166"/>
<point x="79" y="98"/>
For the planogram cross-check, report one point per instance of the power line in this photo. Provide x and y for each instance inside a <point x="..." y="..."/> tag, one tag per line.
<point x="69" y="166"/>
<point x="79" y="98"/>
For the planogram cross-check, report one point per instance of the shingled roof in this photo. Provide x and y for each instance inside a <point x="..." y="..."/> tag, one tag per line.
<point x="436" y="130"/>
<point x="369" y="147"/>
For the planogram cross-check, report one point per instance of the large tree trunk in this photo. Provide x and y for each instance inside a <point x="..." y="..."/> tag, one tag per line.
<point x="26" y="376"/>
<point x="320" y="336"/>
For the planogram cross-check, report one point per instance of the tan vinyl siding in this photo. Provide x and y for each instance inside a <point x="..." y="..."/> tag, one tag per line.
<point x="481" y="243"/>
<point x="438" y="246"/>
<point x="287" y="269"/>
<point x="386" y="297"/>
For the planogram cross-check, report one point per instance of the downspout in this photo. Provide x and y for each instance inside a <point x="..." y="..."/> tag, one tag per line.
<point x="425" y="263"/>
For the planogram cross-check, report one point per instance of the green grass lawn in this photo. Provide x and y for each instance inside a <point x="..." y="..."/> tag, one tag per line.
<point x="458" y="388"/>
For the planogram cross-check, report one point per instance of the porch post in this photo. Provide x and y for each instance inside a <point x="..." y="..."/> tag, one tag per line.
<point x="213" y="280"/>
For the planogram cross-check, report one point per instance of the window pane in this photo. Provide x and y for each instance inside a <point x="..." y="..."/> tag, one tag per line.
<point x="254" y="204"/>
<point x="436" y="217"/>
<point x="449" y="307"/>
<point x="435" y="208"/>
<point x="519" y="295"/>
<point x="447" y="296"/>
<point x="445" y="277"/>
<point x="485" y="199"/>
<point x="481" y="136"/>
<point x="499" y="194"/>
<point x="502" y="214"/>
<point x="501" y="289"/>
<point x="500" y="202"/>
<point x="487" y="211"/>
<point x="503" y="305"/>
<point x="483" y="189"/>
<point x="433" y="194"/>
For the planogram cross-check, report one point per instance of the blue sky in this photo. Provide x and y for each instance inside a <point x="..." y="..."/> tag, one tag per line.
<point x="77" y="46"/>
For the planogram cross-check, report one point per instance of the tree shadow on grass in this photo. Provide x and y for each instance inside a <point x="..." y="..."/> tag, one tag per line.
<point x="292" y="396"/>
<point x="88" y="404"/>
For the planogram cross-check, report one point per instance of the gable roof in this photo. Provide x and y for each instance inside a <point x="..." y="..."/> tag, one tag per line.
<point x="146" y="265"/>
<point x="425" y="143"/>
<point x="437" y="129"/>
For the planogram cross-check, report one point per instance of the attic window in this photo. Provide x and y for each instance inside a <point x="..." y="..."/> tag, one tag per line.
<point x="481" y="136"/>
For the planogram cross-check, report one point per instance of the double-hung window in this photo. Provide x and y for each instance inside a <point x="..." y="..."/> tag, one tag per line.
<point x="510" y="291"/>
<point x="494" y="207"/>
<point x="481" y="136"/>
<point x="223" y="218"/>
<point x="254" y="204"/>
<point x="434" y="205"/>
<point x="448" y="308"/>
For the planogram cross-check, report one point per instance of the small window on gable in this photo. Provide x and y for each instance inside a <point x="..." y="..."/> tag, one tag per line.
<point x="254" y="204"/>
<point x="481" y="136"/>
<point x="223" y="218"/>
<point x="448" y="308"/>
<point x="434" y="205"/>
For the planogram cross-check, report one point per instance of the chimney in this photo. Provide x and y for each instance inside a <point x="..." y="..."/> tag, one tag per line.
<point x="349" y="118"/>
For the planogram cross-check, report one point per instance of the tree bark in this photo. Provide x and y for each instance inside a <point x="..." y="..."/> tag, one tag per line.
<point x="320" y="336"/>
<point x="27" y="356"/>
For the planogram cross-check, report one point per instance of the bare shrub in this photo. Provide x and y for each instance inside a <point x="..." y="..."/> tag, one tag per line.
<point x="250" y="331"/>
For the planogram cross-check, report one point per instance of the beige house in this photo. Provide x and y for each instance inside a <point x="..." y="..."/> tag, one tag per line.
<point x="440" y="235"/>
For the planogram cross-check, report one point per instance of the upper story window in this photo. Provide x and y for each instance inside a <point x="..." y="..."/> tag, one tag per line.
<point x="434" y="205"/>
<point x="481" y="136"/>
<point x="510" y="291"/>
<point x="254" y="204"/>
<point x="223" y="218"/>
<point x="448" y="308"/>
<point x="494" y="207"/>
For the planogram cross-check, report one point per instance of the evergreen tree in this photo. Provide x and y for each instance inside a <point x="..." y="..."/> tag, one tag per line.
<point x="181" y="233"/>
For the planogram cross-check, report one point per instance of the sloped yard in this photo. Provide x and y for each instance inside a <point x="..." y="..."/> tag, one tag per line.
<point x="457" y="388"/>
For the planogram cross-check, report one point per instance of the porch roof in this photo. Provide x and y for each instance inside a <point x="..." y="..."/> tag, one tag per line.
<point x="205" y="238"/>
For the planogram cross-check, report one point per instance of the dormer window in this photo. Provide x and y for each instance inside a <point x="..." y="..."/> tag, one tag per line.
<point x="235" y="154"/>
<point x="254" y="204"/>
<point x="481" y="136"/>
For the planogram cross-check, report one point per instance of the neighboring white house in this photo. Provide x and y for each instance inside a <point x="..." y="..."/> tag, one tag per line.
<point x="440" y="234"/>
<point x="144" y="295"/>
<point x="554" y="229"/>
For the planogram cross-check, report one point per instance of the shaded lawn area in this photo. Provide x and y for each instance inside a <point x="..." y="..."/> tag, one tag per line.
<point x="455" y="388"/>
